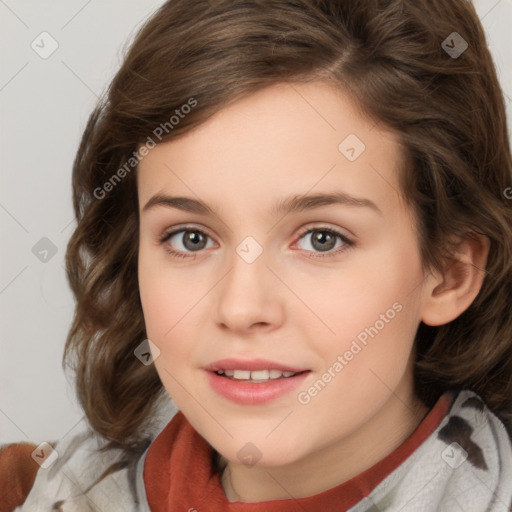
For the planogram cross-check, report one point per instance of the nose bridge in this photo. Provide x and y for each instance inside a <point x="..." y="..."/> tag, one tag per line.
<point x="247" y="296"/>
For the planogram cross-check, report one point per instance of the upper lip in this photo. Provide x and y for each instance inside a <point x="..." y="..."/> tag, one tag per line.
<point x="250" y="364"/>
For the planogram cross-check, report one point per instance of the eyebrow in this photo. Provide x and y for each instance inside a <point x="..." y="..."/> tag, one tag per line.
<point x="296" y="203"/>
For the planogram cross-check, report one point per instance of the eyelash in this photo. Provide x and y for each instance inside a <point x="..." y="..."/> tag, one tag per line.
<point x="347" y="243"/>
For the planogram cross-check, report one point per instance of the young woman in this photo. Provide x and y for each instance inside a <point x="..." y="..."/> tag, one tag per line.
<point x="293" y="220"/>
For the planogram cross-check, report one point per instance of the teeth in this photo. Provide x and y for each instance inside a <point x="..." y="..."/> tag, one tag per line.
<point x="260" y="375"/>
<point x="256" y="375"/>
<point x="242" y="374"/>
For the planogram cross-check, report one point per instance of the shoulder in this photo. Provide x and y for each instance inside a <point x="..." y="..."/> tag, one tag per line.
<point x="483" y="438"/>
<point x="86" y="476"/>
<point x="479" y="439"/>
<point x="464" y="464"/>
<point x="476" y="453"/>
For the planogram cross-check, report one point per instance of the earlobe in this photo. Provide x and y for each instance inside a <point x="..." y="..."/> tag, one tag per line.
<point x="450" y="292"/>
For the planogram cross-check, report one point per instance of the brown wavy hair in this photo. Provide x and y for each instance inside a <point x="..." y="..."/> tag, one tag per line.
<point x="448" y="112"/>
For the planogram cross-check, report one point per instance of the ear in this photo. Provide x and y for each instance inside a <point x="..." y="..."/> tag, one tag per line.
<point x="451" y="291"/>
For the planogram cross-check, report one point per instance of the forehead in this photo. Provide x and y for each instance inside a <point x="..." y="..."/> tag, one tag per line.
<point x="285" y="139"/>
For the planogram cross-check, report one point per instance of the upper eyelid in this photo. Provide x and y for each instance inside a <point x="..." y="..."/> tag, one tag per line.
<point x="178" y="229"/>
<point x="337" y="231"/>
<point x="303" y="230"/>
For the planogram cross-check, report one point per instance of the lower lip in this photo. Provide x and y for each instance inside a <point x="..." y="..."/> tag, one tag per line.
<point x="253" y="393"/>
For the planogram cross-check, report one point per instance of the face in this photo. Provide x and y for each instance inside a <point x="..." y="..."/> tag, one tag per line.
<point x="273" y="239"/>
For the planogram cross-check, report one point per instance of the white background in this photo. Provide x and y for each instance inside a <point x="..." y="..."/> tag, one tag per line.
<point x="44" y="105"/>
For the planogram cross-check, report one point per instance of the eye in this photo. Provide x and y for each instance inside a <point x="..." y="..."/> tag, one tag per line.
<point x="183" y="241"/>
<point x="324" y="240"/>
<point x="320" y="242"/>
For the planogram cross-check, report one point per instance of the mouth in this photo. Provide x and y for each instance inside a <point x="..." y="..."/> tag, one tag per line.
<point x="253" y="370"/>
<point x="260" y="376"/>
<point x="253" y="382"/>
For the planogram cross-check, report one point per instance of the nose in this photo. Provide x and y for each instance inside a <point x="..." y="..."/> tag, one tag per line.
<point x="248" y="298"/>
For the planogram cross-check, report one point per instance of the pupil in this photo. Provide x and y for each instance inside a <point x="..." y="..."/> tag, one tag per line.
<point x="194" y="240"/>
<point x="323" y="240"/>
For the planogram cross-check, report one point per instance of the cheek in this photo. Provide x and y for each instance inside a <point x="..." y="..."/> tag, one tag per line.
<point x="171" y="301"/>
<point x="159" y="304"/>
<point x="163" y="308"/>
<point x="374" y="291"/>
<point x="375" y="344"/>
<point x="372" y="309"/>
<point x="363" y="364"/>
<point x="166" y="295"/>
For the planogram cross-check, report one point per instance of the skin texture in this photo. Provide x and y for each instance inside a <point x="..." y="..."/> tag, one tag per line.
<point x="288" y="305"/>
